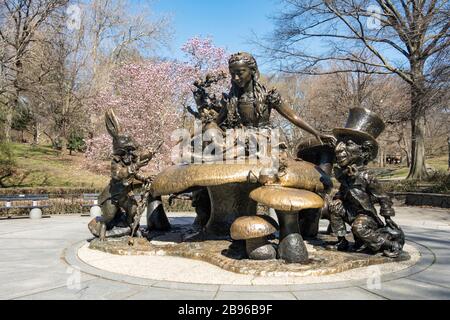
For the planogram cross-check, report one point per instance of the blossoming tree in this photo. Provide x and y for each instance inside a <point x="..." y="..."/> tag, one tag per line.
<point x="148" y="98"/>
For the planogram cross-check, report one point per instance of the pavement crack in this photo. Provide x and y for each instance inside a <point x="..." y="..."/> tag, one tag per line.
<point x="43" y="291"/>
<point x="217" y="292"/>
<point x="372" y="292"/>
<point x="429" y="282"/>
<point x="295" y="297"/>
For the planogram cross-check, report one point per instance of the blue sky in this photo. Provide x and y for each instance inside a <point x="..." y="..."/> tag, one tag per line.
<point x="229" y="22"/>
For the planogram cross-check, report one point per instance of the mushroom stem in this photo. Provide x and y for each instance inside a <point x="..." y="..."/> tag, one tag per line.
<point x="288" y="223"/>
<point x="228" y="202"/>
<point x="236" y="250"/>
<point x="156" y="216"/>
<point x="291" y="248"/>
<point x="309" y="219"/>
<point x="309" y="223"/>
<point x="255" y="243"/>
<point x="260" y="249"/>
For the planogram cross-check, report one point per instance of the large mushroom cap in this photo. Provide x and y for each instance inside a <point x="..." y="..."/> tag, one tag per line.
<point x="253" y="227"/>
<point x="176" y="179"/>
<point x="179" y="178"/>
<point x="286" y="199"/>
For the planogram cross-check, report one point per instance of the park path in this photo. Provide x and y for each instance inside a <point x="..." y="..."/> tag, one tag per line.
<point x="38" y="261"/>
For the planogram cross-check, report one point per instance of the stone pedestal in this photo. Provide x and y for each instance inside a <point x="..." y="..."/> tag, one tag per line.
<point x="321" y="262"/>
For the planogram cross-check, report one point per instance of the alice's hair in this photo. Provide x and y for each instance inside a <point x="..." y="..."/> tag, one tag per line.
<point x="259" y="90"/>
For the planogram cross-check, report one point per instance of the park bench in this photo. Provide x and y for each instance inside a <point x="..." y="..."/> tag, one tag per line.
<point x="17" y="202"/>
<point x="89" y="200"/>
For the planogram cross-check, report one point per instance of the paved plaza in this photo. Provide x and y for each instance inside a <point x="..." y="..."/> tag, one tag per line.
<point x="39" y="260"/>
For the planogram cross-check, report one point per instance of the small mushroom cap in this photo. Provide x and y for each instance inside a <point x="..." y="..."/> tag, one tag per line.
<point x="286" y="199"/>
<point x="251" y="227"/>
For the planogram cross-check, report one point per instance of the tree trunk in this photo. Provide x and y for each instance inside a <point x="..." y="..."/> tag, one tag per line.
<point x="52" y="139"/>
<point x="36" y="134"/>
<point x="417" y="169"/>
<point x="382" y="158"/>
<point x="408" y="159"/>
<point x="448" y="141"/>
<point x="8" y="123"/>
<point x="13" y="101"/>
<point x="406" y="151"/>
<point x="63" y="142"/>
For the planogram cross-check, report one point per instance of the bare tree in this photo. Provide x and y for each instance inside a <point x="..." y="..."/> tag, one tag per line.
<point x="113" y="34"/>
<point x="65" y="94"/>
<point x="378" y="36"/>
<point x="20" y="20"/>
<point x="56" y="57"/>
<point x="324" y="100"/>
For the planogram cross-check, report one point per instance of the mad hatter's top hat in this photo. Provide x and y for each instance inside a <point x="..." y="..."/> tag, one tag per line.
<point x="362" y="125"/>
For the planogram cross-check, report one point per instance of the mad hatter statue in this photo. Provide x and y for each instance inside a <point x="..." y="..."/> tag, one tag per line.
<point x="359" y="190"/>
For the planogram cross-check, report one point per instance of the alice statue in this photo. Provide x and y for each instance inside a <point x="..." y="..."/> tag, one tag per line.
<point x="249" y="104"/>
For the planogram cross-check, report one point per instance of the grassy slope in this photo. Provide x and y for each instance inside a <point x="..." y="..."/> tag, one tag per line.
<point x="396" y="172"/>
<point x="439" y="163"/>
<point x="43" y="166"/>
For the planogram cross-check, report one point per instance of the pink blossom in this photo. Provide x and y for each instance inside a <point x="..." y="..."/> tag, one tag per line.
<point x="148" y="98"/>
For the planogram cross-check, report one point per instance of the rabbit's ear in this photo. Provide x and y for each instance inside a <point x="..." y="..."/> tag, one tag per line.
<point x="112" y="124"/>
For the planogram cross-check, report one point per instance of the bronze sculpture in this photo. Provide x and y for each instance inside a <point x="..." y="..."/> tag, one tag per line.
<point x="208" y="105"/>
<point x="249" y="103"/>
<point x="359" y="190"/>
<point x="255" y="230"/>
<point x="118" y="200"/>
<point x="323" y="156"/>
<point x="233" y="188"/>
<point x="226" y="195"/>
